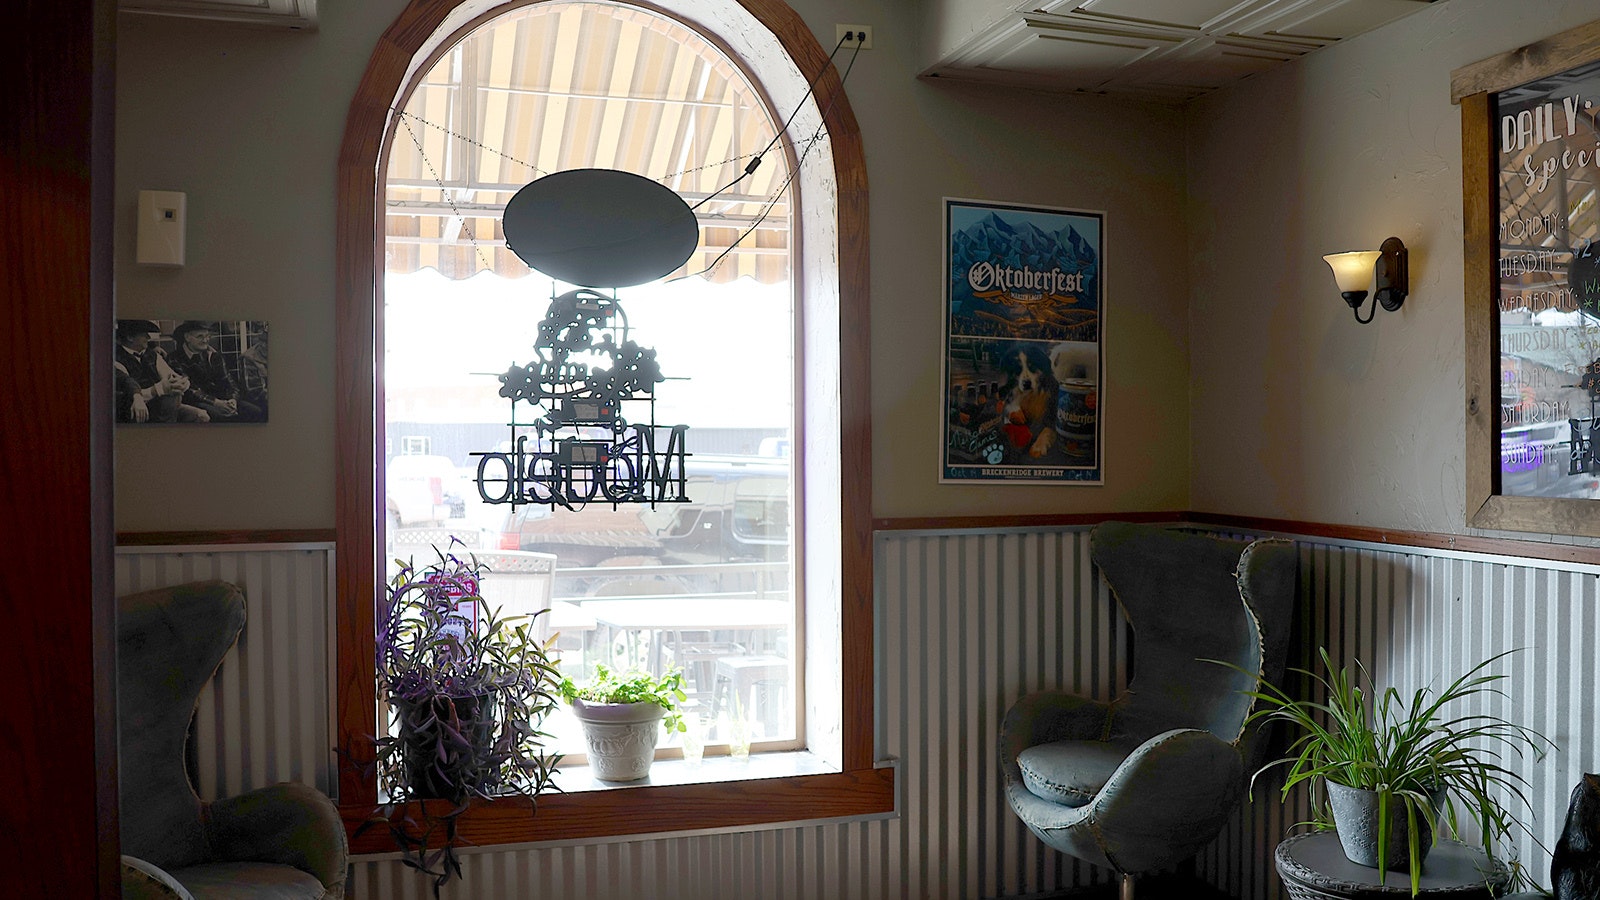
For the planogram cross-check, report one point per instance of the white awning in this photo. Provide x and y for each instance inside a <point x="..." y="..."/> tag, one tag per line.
<point x="559" y="86"/>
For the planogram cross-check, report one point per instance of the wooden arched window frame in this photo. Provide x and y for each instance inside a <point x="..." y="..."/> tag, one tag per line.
<point x="836" y="452"/>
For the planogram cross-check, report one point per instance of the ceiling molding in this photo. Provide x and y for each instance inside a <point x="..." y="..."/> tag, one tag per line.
<point x="1173" y="50"/>
<point x="296" y="15"/>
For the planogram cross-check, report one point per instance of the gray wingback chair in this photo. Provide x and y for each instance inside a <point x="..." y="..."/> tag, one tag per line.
<point x="280" y="842"/>
<point x="1141" y="782"/>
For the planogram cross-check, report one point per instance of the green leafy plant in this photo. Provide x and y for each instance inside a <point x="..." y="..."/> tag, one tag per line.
<point x="469" y="692"/>
<point x="632" y="687"/>
<point x="1407" y="752"/>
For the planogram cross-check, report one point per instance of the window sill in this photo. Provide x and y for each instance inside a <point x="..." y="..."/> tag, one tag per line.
<point x="718" y="794"/>
<point x="711" y="770"/>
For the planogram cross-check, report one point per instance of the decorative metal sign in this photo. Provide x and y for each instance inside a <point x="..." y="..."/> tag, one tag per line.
<point x="581" y="447"/>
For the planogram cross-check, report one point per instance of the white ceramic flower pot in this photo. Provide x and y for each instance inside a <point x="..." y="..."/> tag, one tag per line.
<point x="621" y="737"/>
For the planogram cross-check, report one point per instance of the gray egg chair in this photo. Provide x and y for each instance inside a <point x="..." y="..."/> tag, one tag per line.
<point x="1141" y="782"/>
<point x="280" y="842"/>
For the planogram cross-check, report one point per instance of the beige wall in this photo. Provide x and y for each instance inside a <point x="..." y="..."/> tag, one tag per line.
<point x="248" y="123"/>
<point x="1082" y="152"/>
<point x="1299" y="412"/>
<point x="948" y="24"/>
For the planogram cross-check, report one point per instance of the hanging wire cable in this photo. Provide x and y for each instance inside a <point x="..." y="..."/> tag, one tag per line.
<point x="444" y="193"/>
<point x="537" y="172"/>
<point x="811" y="142"/>
<point x="749" y="167"/>
<point x="756" y="161"/>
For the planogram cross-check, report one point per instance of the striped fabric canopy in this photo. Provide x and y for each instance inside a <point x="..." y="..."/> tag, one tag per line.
<point x="567" y="85"/>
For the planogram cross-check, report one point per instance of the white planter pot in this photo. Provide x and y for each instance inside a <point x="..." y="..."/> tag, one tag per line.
<point x="621" y="737"/>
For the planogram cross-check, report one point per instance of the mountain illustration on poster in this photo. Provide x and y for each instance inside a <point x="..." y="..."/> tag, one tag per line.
<point x="1008" y="276"/>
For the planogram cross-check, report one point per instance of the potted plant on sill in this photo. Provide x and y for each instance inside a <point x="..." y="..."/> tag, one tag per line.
<point x="623" y="716"/>
<point x="469" y="693"/>
<point x="1403" y="766"/>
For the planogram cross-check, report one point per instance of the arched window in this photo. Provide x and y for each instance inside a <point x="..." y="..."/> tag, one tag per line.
<point x="706" y="586"/>
<point x="460" y="107"/>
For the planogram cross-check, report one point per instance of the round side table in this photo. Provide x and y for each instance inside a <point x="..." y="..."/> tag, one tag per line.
<point x="1313" y="867"/>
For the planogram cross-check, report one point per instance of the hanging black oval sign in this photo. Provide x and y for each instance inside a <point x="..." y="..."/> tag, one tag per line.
<point x="600" y="227"/>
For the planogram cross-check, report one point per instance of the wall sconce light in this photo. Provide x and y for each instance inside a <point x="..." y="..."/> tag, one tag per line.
<point x="1385" y="267"/>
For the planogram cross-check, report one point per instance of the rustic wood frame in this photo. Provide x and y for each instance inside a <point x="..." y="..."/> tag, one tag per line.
<point x="1474" y="87"/>
<point x="861" y="788"/>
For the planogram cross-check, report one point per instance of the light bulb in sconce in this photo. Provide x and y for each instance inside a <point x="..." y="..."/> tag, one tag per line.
<point x="1384" y="268"/>
<point x="1353" y="271"/>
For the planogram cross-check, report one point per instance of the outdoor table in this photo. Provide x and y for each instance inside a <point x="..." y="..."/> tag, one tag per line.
<point x="664" y="619"/>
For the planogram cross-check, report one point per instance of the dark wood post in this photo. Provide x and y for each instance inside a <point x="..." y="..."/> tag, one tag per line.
<point x="58" y="727"/>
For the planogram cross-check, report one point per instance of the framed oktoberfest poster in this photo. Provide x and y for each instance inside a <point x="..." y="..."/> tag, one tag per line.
<point x="1024" y="326"/>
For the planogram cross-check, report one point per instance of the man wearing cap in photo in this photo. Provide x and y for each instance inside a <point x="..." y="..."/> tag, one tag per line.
<point x="148" y="389"/>
<point x="210" y="386"/>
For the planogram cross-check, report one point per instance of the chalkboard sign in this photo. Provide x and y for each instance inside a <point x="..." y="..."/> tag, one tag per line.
<point x="1531" y="202"/>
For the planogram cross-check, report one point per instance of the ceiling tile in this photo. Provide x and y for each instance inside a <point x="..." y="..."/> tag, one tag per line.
<point x="1200" y="67"/>
<point x="1081" y="58"/>
<point x="1157" y="48"/>
<point x="1184" y="13"/>
<point x="1339" y="20"/>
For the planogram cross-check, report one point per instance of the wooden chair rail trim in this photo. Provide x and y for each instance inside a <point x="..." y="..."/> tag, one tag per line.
<point x="1051" y="520"/>
<point x="1429" y="540"/>
<point x="1541" y="550"/>
<point x="1465" y="543"/>
<point x="646" y="810"/>
<point x="247" y="536"/>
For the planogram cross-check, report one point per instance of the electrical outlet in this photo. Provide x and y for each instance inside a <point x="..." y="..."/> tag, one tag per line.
<point x="861" y="34"/>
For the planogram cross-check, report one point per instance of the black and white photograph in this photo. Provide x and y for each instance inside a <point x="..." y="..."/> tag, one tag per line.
<point x="193" y="371"/>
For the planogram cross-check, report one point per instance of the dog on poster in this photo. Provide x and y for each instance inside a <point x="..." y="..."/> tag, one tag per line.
<point x="1030" y="399"/>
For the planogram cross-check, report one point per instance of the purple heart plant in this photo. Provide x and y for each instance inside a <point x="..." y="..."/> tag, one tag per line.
<point x="468" y="693"/>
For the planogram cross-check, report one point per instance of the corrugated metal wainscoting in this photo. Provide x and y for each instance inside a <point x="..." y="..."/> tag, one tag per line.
<point x="1421" y="618"/>
<point x="969" y="622"/>
<point x="966" y="623"/>
<point x="267" y="715"/>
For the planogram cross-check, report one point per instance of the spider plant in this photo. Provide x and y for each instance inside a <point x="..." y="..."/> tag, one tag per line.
<point x="1413" y="752"/>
